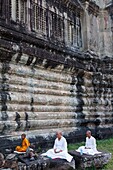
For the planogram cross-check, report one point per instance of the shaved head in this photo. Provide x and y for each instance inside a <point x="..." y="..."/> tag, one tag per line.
<point x="88" y="133"/>
<point x="59" y="132"/>
<point x="23" y="136"/>
<point x="59" y="135"/>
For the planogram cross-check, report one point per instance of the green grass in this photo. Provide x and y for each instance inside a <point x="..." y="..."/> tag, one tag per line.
<point x="104" y="145"/>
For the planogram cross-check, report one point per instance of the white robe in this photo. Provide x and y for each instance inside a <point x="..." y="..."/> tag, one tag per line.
<point x="59" y="145"/>
<point x="90" y="145"/>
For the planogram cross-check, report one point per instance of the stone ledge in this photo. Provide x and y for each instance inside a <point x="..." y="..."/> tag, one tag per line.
<point x="21" y="162"/>
<point x="46" y="164"/>
<point x="87" y="161"/>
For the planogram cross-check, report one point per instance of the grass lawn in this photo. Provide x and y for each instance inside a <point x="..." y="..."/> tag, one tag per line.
<point x="105" y="145"/>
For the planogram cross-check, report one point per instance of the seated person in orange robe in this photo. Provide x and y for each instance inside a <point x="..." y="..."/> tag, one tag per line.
<point x="25" y="144"/>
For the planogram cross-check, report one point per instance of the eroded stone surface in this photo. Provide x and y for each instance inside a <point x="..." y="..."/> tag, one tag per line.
<point x="20" y="162"/>
<point x="90" y="161"/>
<point x="56" y="76"/>
<point x="48" y="164"/>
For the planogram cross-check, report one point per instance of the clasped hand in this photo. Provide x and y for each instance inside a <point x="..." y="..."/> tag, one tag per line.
<point x="57" y="150"/>
<point x="87" y="148"/>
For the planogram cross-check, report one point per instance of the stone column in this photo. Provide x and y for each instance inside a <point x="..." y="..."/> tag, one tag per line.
<point x="28" y="15"/>
<point x="85" y="27"/>
<point x="105" y="34"/>
<point x="111" y="14"/>
<point x="90" y="27"/>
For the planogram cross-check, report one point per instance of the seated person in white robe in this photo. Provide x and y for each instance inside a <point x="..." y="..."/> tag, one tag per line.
<point x="59" y="150"/>
<point x="90" y="145"/>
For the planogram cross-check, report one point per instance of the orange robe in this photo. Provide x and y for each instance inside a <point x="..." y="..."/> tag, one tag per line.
<point x="25" y="145"/>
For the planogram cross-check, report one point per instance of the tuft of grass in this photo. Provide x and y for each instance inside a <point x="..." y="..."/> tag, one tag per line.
<point x="103" y="145"/>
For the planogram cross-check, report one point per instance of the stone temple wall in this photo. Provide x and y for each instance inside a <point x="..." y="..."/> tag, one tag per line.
<point x="39" y="100"/>
<point x="56" y="82"/>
